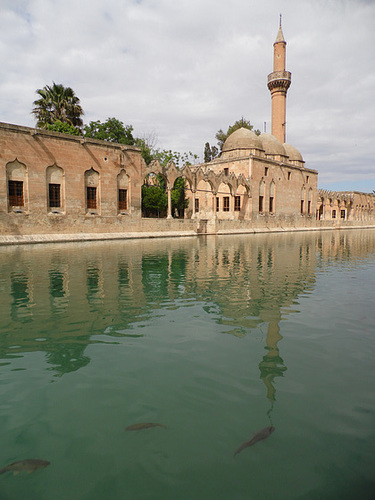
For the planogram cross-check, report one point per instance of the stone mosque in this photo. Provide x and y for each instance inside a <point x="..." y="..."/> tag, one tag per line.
<point x="58" y="187"/>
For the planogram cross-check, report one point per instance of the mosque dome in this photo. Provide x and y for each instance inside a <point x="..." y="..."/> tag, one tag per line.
<point x="242" y="138"/>
<point x="293" y="153"/>
<point x="271" y="145"/>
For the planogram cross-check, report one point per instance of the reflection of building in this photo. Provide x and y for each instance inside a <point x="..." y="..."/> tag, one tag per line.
<point x="57" y="184"/>
<point x="70" y="296"/>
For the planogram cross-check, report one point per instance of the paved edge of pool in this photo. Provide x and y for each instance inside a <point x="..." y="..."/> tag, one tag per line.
<point x="15" y="239"/>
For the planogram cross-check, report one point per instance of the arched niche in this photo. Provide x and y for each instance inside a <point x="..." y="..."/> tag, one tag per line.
<point x="203" y="199"/>
<point x="224" y="203"/>
<point x="241" y="202"/>
<point x="262" y="190"/>
<point x="55" y="188"/>
<point x="303" y="200"/>
<point x="123" y="184"/>
<point x="309" y="201"/>
<point x="92" y="194"/>
<point x="17" y="186"/>
<point x="272" y="199"/>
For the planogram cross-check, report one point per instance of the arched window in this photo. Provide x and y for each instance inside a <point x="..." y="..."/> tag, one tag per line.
<point x="122" y="192"/>
<point x="272" y="198"/>
<point x="303" y="196"/>
<point x="261" y="196"/>
<point x="309" y="201"/>
<point x="55" y="188"/>
<point x="16" y="173"/>
<point x="92" y="191"/>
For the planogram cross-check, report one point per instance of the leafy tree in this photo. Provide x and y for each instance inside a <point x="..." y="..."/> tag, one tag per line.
<point x="112" y="130"/>
<point x="57" y="103"/>
<point x="222" y="136"/>
<point x="210" y="152"/>
<point x="155" y="200"/>
<point x="146" y="150"/>
<point x="65" y="128"/>
<point x="178" y="197"/>
<point x="154" y="197"/>
<point x="166" y="155"/>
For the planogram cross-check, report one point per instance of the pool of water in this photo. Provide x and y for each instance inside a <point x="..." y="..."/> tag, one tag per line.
<point x="215" y="338"/>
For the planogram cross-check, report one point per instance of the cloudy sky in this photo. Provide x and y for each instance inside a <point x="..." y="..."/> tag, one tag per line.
<point x="179" y="70"/>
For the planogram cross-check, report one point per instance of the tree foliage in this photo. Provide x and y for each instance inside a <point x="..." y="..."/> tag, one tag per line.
<point x="155" y="199"/>
<point x="146" y="150"/>
<point x="154" y="196"/>
<point x="179" y="159"/>
<point x="178" y="197"/>
<point x="112" y="130"/>
<point x="57" y="103"/>
<point x="210" y="152"/>
<point x="65" y="128"/>
<point x="222" y="136"/>
<point x="165" y="156"/>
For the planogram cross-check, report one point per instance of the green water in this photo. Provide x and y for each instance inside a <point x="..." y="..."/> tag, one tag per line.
<point x="213" y="337"/>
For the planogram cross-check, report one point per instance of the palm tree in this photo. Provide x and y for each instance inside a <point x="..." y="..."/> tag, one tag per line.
<point x="57" y="102"/>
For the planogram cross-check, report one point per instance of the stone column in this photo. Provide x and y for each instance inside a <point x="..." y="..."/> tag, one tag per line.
<point x="169" y="213"/>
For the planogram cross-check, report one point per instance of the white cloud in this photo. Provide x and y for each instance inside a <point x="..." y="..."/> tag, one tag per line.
<point x="183" y="69"/>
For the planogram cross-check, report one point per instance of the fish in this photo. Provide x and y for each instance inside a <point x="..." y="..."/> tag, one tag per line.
<point x="144" y="425"/>
<point x="29" y="465"/>
<point x="261" y="435"/>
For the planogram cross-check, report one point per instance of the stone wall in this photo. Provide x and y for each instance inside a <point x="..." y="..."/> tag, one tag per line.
<point x="33" y="159"/>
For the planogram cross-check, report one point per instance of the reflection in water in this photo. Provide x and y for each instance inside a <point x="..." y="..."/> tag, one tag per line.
<point x="56" y="279"/>
<point x="58" y="289"/>
<point x="272" y="364"/>
<point x="94" y="283"/>
<point x="67" y="358"/>
<point x="79" y="291"/>
<point x="21" y="293"/>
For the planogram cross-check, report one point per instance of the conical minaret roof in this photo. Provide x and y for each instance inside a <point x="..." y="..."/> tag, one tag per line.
<point x="280" y="36"/>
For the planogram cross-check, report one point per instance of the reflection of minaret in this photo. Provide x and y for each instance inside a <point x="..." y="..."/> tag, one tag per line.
<point x="278" y="84"/>
<point x="272" y="365"/>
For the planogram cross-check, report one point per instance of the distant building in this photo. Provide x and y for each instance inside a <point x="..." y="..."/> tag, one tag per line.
<point x="57" y="184"/>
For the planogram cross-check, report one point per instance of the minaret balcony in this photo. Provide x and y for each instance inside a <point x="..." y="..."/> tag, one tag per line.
<point x="279" y="79"/>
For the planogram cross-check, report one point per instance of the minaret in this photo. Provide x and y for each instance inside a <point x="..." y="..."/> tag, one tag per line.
<point x="278" y="84"/>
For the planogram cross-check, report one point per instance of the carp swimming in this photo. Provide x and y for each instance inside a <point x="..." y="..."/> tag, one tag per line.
<point x="29" y="465"/>
<point x="143" y="425"/>
<point x="261" y="435"/>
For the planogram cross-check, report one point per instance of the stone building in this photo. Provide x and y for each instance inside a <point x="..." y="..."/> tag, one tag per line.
<point x="52" y="183"/>
<point x="255" y="177"/>
<point x="58" y="184"/>
<point x="345" y="205"/>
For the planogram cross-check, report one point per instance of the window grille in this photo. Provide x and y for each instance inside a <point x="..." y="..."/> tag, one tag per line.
<point x="237" y="203"/>
<point x="261" y="203"/>
<point x="123" y="199"/>
<point x="15" y="192"/>
<point x="226" y="204"/>
<point x="272" y="208"/>
<point x="54" y="195"/>
<point x="196" y="205"/>
<point x="91" y="197"/>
